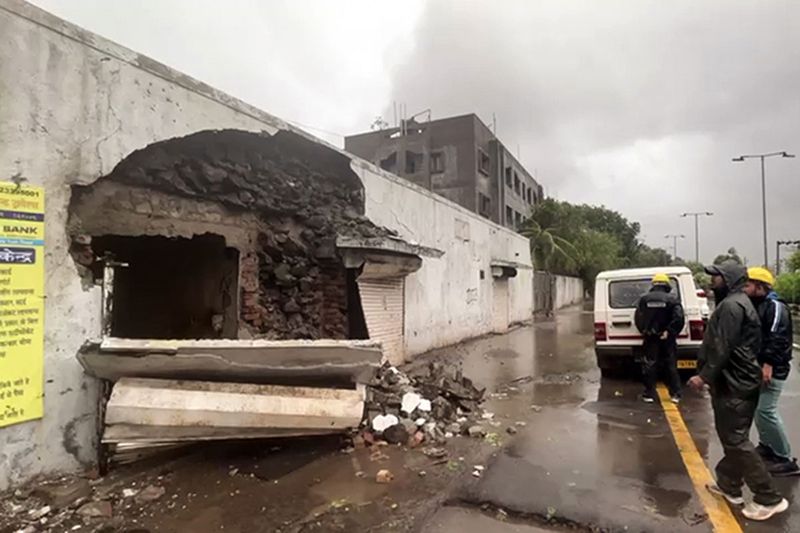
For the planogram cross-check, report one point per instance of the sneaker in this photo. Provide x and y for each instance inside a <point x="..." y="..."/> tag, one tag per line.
<point x="647" y="398"/>
<point x="784" y="468"/>
<point x="733" y="500"/>
<point x="675" y="399"/>
<point x="756" y="511"/>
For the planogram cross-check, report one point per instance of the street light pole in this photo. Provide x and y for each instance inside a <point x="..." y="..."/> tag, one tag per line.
<point x="674" y="244"/>
<point x="740" y="159"/>
<point x="697" y="215"/>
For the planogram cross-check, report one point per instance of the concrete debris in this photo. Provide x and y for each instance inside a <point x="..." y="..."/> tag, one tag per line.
<point x="383" y="422"/>
<point x="64" y="494"/>
<point x="434" y="452"/>
<point x="36" y="514"/>
<point x="410" y="402"/>
<point x="396" y="434"/>
<point x="511" y="430"/>
<point x="151" y="493"/>
<point x="129" y="493"/>
<point x="442" y="404"/>
<point x="476" y="431"/>
<point x="384" y="476"/>
<point x="144" y="417"/>
<point x="97" y="509"/>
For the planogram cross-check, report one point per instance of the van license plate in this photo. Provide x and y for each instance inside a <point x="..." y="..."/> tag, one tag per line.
<point x="686" y="363"/>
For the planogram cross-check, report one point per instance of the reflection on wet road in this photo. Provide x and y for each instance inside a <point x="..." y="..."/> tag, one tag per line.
<point x="586" y="451"/>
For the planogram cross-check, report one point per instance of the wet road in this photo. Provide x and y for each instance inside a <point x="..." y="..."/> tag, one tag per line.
<point x="586" y="452"/>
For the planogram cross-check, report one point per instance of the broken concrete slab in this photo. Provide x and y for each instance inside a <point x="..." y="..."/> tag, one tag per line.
<point x="129" y="433"/>
<point x="159" y="402"/>
<point x="252" y="361"/>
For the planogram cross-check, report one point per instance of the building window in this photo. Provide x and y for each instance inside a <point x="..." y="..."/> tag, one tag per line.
<point x="517" y="219"/>
<point x="390" y="162"/>
<point x="509" y="217"/>
<point x="508" y="176"/>
<point x="413" y="162"/>
<point x="484" y="163"/>
<point x="516" y="183"/>
<point x="484" y="205"/>
<point x="437" y="162"/>
<point x="530" y="195"/>
<point x="522" y="188"/>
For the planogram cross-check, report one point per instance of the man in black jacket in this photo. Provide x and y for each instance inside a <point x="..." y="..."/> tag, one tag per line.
<point x="728" y="364"/>
<point x="775" y="359"/>
<point x="659" y="318"/>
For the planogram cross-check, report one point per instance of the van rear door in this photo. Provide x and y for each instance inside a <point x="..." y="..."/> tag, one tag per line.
<point x="623" y="295"/>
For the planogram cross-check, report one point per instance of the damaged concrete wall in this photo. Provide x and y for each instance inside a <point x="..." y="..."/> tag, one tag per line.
<point x="450" y="298"/>
<point x="75" y="105"/>
<point x="284" y="200"/>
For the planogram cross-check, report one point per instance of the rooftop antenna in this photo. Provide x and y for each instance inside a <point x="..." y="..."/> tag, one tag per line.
<point x="494" y="124"/>
<point x="394" y="108"/>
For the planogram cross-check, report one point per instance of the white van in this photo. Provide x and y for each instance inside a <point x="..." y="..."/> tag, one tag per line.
<point x="617" y="342"/>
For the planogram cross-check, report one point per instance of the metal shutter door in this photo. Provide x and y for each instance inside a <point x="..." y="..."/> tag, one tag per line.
<point x="382" y="301"/>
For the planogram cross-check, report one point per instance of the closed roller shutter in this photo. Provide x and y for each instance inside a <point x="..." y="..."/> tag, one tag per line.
<point x="383" y="304"/>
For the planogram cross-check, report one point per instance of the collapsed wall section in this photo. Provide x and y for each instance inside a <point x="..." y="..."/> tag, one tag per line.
<point x="273" y="204"/>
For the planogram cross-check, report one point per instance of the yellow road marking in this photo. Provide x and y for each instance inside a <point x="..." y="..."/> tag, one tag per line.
<point x="720" y="515"/>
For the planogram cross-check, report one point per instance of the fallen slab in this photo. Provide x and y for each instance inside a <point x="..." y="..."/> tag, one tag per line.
<point x="251" y="361"/>
<point x="130" y="433"/>
<point x="175" y="403"/>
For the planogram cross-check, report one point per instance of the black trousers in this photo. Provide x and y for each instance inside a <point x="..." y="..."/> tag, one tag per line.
<point x="740" y="463"/>
<point x="660" y="355"/>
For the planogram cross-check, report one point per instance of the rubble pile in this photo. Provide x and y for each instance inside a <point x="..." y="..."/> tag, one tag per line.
<point x="428" y="405"/>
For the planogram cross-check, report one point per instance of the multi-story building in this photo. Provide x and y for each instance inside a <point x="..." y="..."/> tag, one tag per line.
<point x="459" y="158"/>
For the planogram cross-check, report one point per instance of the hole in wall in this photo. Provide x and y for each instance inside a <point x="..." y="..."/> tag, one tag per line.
<point x="172" y="288"/>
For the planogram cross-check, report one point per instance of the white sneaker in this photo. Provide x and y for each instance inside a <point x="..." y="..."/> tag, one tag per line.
<point x="733" y="500"/>
<point x="675" y="399"/>
<point x="756" y="511"/>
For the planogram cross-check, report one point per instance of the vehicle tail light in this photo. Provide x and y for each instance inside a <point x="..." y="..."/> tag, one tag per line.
<point x="701" y="293"/>
<point x="600" y="333"/>
<point x="697" y="329"/>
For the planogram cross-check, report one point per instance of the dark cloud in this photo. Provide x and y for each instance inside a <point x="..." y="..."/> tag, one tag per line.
<point x="636" y="105"/>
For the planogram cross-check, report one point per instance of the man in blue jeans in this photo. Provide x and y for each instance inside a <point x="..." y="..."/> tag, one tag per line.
<point x="775" y="359"/>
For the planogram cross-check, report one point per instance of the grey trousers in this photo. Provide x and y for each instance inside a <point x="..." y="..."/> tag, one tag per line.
<point x="741" y="463"/>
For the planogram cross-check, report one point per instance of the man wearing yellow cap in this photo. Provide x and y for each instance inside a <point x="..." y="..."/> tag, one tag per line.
<point x="659" y="318"/>
<point x="775" y="359"/>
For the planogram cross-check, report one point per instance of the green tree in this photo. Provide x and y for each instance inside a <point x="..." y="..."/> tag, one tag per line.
<point x="788" y="287"/>
<point x="645" y="256"/>
<point x="732" y="255"/>
<point x="597" y="251"/>
<point x="550" y="251"/>
<point x="793" y="263"/>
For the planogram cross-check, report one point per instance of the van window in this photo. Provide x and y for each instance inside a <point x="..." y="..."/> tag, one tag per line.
<point x="625" y="293"/>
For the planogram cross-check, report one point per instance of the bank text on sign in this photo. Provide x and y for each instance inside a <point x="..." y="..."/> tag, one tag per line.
<point x="21" y="303"/>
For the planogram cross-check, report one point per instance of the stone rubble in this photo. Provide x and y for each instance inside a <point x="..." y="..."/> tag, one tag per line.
<point x="429" y="404"/>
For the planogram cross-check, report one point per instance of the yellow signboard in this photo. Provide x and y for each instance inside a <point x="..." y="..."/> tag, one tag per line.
<point x="21" y="303"/>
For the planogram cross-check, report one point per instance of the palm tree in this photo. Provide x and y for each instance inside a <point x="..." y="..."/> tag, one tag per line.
<point x="549" y="249"/>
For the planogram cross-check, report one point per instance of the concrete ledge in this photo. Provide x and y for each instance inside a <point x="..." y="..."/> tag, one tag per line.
<point x="256" y="361"/>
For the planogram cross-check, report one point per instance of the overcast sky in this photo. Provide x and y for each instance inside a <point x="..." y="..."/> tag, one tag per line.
<point x="636" y="105"/>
